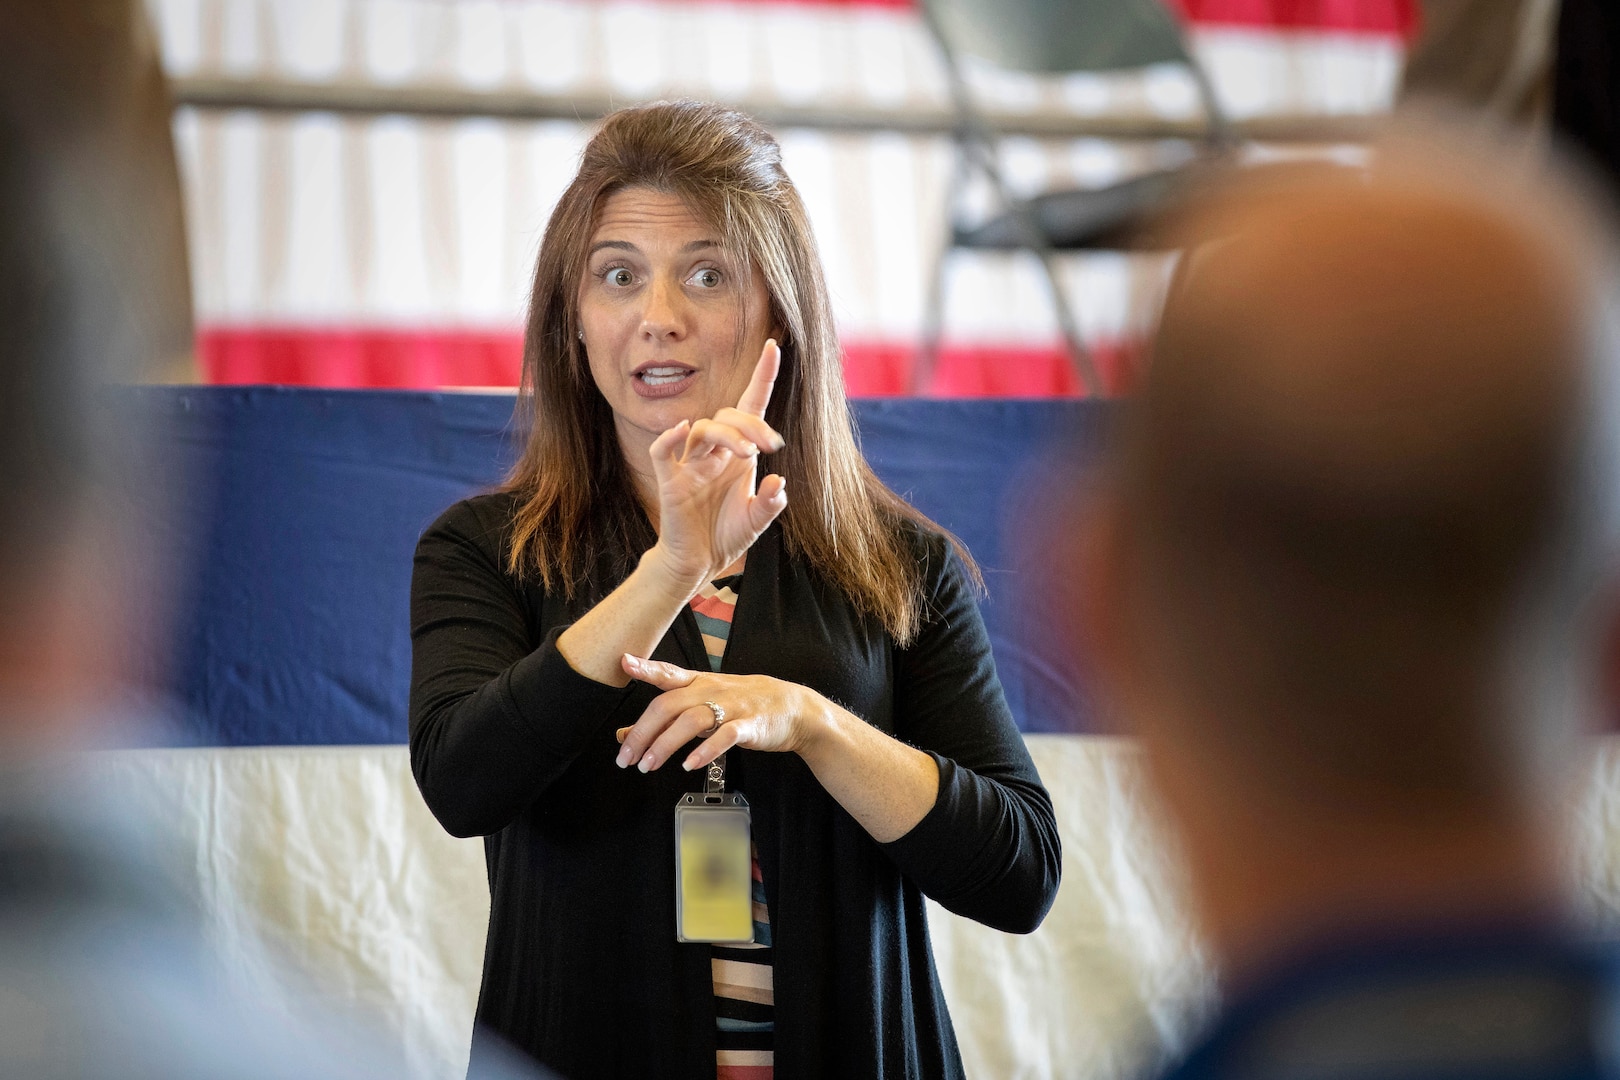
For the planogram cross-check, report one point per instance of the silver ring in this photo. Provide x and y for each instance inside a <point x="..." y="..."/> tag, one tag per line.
<point x="719" y="717"/>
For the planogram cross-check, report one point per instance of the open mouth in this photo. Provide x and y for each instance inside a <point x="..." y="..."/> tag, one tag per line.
<point x="667" y="375"/>
<point x="662" y="380"/>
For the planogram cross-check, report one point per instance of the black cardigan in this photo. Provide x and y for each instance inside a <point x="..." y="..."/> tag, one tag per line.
<point x="581" y="966"/>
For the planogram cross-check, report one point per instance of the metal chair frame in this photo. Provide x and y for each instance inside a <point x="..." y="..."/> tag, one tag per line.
<point x="975" y="141"/>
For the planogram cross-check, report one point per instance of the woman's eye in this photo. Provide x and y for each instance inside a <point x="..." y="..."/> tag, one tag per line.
<point x="621" y="277"/>
<point x="707" y="278"/>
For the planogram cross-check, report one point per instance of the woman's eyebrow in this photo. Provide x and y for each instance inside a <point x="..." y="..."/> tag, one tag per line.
<point x="625" y="245"/>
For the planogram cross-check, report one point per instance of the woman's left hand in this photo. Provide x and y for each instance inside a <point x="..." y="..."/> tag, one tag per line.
<point x="761" y="713"/>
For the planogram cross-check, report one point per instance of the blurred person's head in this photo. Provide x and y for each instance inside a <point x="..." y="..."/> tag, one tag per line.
<point x="681" y="246"/>
<point x="1349" y="577"/>
<point x="93" y="290"/>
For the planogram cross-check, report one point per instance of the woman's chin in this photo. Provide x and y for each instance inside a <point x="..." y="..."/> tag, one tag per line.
<point x="658" y="415"/>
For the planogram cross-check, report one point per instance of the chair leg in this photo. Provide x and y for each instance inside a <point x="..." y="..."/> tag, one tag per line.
<point x="976" y="140"/>
<point x="1036" y="240"/>
<point x="979" y="148"/>
<point x="1219" y="135"/>
<point x="921" y="377"/>
<point x="1080" y="356"/>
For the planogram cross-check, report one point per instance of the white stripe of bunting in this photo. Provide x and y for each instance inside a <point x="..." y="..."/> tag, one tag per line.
<point x="316" y="220"/>
<point x="330" y="853"/>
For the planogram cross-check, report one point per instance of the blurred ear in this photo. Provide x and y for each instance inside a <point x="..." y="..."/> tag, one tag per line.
<point x="1099" y="611"/>
<point x="1608" y="716"/>
<point x="65" y="666"/>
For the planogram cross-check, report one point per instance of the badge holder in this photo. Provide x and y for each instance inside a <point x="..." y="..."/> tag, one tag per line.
<point x="714" y="880"/>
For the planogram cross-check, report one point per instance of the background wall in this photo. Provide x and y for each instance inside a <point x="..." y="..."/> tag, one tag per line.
<point x="394" y="250"/>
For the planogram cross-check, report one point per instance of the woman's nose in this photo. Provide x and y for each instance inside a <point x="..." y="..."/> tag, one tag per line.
<point x="663" y="318"/>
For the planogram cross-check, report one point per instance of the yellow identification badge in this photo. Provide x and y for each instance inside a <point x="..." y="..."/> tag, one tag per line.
<point x="714" y="889"/>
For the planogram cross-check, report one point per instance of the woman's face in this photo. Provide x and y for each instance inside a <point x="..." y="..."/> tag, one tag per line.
<point x="661" y="304"/>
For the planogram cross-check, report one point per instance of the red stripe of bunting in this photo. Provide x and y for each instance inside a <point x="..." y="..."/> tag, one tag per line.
<point x="1342" y="16"/>
<point x="1351" y="16"/>
<point x="432" y="359"/>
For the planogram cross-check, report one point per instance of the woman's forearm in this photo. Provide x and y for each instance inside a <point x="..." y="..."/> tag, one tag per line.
<point x="631" y="619"/>
<point x="885" y="785"/>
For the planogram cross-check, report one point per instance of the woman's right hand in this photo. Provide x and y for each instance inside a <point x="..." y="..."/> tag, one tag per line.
<point x="709" y="512"/>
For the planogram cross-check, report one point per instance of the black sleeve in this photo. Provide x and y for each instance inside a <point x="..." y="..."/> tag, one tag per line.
<point x="989" y="848"/>
<point x="494" y="719"/>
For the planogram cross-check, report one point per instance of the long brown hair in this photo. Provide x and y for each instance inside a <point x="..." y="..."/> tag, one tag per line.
<point x="578" y="508"/>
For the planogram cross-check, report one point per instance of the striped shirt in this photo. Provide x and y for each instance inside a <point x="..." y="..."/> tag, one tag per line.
<point x="744" y="995"/>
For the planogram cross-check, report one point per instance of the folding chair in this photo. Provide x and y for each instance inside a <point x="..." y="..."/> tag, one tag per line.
<point x="1051" y="37"/>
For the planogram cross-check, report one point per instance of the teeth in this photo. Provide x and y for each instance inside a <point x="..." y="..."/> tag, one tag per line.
<point x="663" y="376"/>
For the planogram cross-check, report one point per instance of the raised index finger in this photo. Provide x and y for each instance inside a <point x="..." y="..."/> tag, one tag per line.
<point x="758" y="394"/>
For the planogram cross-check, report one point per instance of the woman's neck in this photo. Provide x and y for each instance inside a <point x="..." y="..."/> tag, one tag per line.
<point x="636" y="446"/>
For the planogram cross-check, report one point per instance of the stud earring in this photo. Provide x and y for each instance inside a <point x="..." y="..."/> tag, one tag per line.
<point x="581" y="334"/>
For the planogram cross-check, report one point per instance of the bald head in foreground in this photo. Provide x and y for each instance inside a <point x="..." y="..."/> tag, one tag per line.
<point x="1349" y="581"/>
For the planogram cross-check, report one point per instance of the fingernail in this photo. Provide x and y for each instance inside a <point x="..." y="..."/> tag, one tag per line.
<point x="780" y="442"/>
<point x="632" y="661"/>
<point x="750" y="449"/>
<point x="620" y="734"/>
<point x="689" y="764"/>
<point x="646" y="762"/>
<point x="624" y="757"/>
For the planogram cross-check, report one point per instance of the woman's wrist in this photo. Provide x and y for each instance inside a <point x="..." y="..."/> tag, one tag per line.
<point x="885" y="785"/>
<point x="676" y="583"/>
<point x="820" y="726"/>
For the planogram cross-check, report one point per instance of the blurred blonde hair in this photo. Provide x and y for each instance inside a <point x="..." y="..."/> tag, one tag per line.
<point x="578" y="508"/>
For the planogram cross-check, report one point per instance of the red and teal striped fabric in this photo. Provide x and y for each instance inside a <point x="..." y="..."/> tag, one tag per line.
<point x="744" y="992"/>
